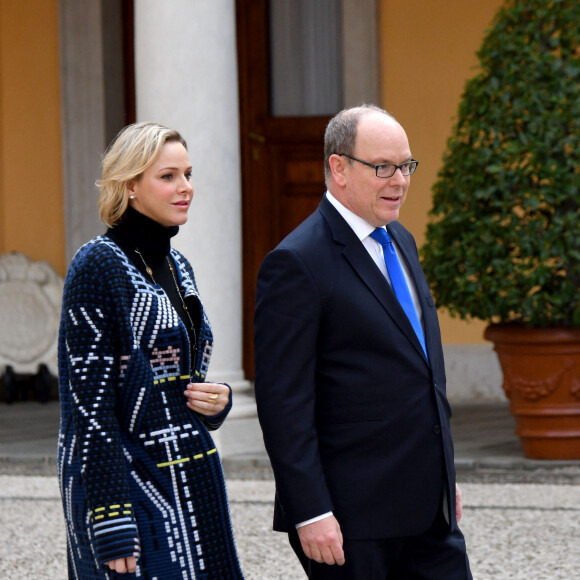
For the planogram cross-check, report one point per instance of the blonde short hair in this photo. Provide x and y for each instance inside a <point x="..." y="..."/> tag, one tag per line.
<point x="132" y="151"/>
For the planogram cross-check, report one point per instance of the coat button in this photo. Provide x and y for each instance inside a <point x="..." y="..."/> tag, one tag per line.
<point x="436" y="429"/>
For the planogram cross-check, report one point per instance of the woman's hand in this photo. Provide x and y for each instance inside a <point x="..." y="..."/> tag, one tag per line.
<point x="123" y="565"/>
<point x="207" y="398"/>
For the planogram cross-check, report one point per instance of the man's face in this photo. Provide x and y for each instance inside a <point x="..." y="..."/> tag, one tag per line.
<point x="377" y="200"/>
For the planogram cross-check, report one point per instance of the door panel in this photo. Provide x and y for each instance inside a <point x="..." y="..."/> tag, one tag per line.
<point x="282" y="159"/>
<point x="299" y="184"/>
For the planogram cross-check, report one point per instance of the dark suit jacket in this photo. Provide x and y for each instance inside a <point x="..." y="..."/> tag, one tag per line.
<point x="355" y="419"/>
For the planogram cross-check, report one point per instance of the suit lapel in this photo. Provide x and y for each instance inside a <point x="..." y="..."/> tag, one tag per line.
<point x="414" y="266"/>
<point x="365" y="268"/>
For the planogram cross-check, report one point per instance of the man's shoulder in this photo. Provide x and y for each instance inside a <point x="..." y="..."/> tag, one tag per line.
<point x="309" y="247"/>
<point x="401" y="234"/>
<point x="400" y="229"/>
<point x="324" y="225"/>
<point x="311" y="231"/>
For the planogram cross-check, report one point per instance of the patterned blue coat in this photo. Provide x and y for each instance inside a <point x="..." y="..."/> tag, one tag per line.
<point x="138" y="470"/>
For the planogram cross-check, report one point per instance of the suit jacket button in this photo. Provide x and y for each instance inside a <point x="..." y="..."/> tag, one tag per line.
<point x="436" y="429"/>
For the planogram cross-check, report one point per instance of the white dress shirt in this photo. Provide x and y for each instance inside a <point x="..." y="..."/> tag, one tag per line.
<point x="363" y="230"/>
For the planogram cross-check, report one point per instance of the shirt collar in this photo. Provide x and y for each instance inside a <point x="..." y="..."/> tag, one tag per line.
<point x="359" y="226"/>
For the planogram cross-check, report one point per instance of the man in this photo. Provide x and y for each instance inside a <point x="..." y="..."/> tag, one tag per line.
<point x="350" y="387"/>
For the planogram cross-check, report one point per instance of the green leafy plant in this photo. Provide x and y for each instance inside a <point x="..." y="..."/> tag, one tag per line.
<point x="503" y="244"/>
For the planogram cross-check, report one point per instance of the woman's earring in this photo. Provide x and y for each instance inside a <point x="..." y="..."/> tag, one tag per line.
<point x="131" y="197"/>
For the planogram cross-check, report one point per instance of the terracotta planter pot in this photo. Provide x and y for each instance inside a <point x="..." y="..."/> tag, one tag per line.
<point x="541" y="378"/>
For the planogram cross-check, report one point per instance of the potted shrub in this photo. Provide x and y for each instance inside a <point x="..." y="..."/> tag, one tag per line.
<point x="503" y="244"/>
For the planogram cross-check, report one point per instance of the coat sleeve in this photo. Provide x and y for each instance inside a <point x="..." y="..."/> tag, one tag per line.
<point x="288" y="312"/>
<point x="91" y="329"/>
<point x="187" y="277"/>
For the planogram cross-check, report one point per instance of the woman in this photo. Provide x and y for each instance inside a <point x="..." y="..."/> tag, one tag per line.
<point x="140" y="478"/>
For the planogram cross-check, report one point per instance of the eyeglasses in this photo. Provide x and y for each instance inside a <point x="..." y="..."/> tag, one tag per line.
<point x="388" y="169"/>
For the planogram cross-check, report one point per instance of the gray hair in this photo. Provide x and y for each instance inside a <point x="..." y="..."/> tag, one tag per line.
<point x="341" y="132"/>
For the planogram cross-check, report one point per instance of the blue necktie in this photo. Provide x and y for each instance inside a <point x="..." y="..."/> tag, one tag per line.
<point x="398" y="282"/>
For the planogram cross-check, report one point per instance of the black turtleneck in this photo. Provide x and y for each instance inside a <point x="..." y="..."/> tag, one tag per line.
<point x="138" y="232"/>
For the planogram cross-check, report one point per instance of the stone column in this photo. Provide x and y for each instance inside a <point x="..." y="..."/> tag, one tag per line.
<point x="186" y="78"/>
<point x="83" y="113"/>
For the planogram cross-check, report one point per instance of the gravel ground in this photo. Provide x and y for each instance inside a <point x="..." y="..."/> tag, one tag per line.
<point x="513" y="531"/>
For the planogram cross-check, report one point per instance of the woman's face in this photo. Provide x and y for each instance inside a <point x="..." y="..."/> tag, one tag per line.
<point x="164" y="191"/>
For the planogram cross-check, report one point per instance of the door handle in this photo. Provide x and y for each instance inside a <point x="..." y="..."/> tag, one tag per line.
<point x="256" y="137"/>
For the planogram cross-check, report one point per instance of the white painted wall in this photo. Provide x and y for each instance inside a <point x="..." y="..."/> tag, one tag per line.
<point x="473" y="373"/>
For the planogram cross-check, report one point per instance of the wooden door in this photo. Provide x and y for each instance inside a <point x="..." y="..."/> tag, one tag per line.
<point x="282" y="159"/>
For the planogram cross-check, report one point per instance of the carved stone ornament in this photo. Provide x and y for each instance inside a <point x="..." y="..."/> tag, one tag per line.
<point x="540" y="368"/>
<point x="30" y="303"/>
<point x="535" y="389"/>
